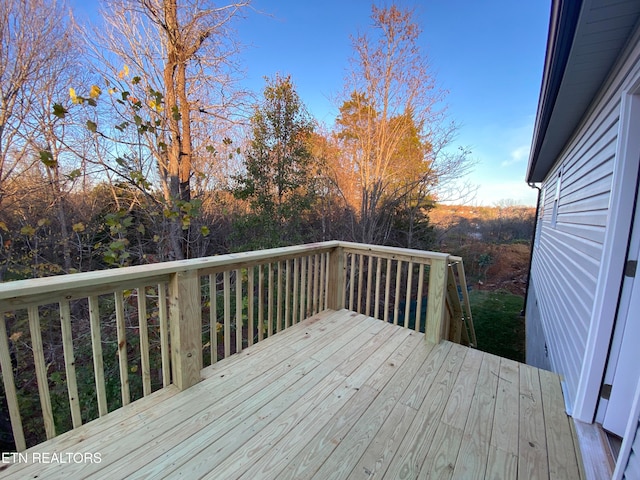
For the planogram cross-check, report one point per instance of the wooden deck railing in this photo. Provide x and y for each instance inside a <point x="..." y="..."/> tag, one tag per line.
<point x="98" y="340"/>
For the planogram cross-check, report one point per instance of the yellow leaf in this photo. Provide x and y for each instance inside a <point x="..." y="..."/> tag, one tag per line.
<point x="124" y="72"/>
<point x="155" y="105"/>
<point x="3" y="226"/>
<point x="74" y="97"/>
<point x="95" y="91"/>
<point x="134" y="369"/>
<point x="78" y="227"/>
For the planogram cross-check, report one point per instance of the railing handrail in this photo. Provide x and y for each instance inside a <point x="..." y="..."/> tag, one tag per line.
<point x="11" y="292"/>
<point x="393" y="251"/>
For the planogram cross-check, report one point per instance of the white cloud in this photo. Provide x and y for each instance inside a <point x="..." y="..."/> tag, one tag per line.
<point x="518" y="155"/>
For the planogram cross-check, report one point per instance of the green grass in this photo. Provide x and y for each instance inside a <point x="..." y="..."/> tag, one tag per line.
<point x="498" y="324"/>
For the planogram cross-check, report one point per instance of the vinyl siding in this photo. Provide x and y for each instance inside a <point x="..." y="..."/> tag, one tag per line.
<point x="568" y="252"/>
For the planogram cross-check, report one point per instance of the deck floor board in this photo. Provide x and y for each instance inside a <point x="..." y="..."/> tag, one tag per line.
<point x="339" y="395"/>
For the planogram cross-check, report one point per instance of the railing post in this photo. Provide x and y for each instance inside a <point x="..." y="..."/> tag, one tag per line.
<point x="185" y="328"/>
<point x="436" y="300"/>
<point x="335" y="293"/>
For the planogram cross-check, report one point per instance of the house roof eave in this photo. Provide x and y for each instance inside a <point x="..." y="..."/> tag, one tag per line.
<point x="586" y="39"/>
<point x="562" y="27"/>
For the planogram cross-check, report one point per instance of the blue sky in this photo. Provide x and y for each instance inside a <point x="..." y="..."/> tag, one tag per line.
<point x="488" y="54"/>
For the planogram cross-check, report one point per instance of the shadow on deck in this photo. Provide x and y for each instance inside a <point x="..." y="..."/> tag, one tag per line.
<point x="340" y="395"/>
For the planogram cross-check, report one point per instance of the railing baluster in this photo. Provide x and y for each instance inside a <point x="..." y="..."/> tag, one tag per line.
<point x="279" y="300"/>
<point x="238" y="311"/>
<point x="323" y="280"/>
<point x="335" y="279"/>
<point x="213" y="317"/>
<point x="369" y="276"/>
<point x="41" y="371"/>
<point x="10" y="388"/>
<point x="359" y="302"/>
<point x="342" y="274"/>
<point x="260" y="303"/>
<point x="352" y="279"/>
<point x="316" y="283"/>
<point x="387" y="290"/>
<point x="122" y="348"/>
<point x="309" y="285"/>
<point x="270" y="302"/>
<point x="419" y="297"/>
<point x="296" y="273"/>
<point x="327" y="269"/>
<point x="303" y="287"/>
<point x="376" y="307"/>
<point x="144" y="341"/>
<point x="98" y="362"/>
<point x="164" y="334"/>
<point x="287" y="293"/>
<point x="250" y="297"/>
<point x="226" y="278"/>
<point x="407" y="308"/>
<point x="396" y="303"/>
<point x="70" y="363"/>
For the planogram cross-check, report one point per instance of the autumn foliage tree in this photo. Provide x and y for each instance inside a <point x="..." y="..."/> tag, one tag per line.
<point x="390" y="128"/>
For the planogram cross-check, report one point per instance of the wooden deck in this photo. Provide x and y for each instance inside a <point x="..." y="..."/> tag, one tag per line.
<point x="337" y="396"/>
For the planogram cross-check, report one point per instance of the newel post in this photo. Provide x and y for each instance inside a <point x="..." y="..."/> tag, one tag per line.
<point x="185" y="328"/>
<point x="437" y="298"/>
<point x="335" y="293"/>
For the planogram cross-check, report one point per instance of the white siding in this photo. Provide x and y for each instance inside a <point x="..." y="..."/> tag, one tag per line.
<point x="568" y="253"/>
<point x="632" y="472"/>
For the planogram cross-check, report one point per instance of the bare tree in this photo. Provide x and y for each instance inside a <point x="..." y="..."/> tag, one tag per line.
<point x="172" y="60"/>
<point x="34" y="39"/>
